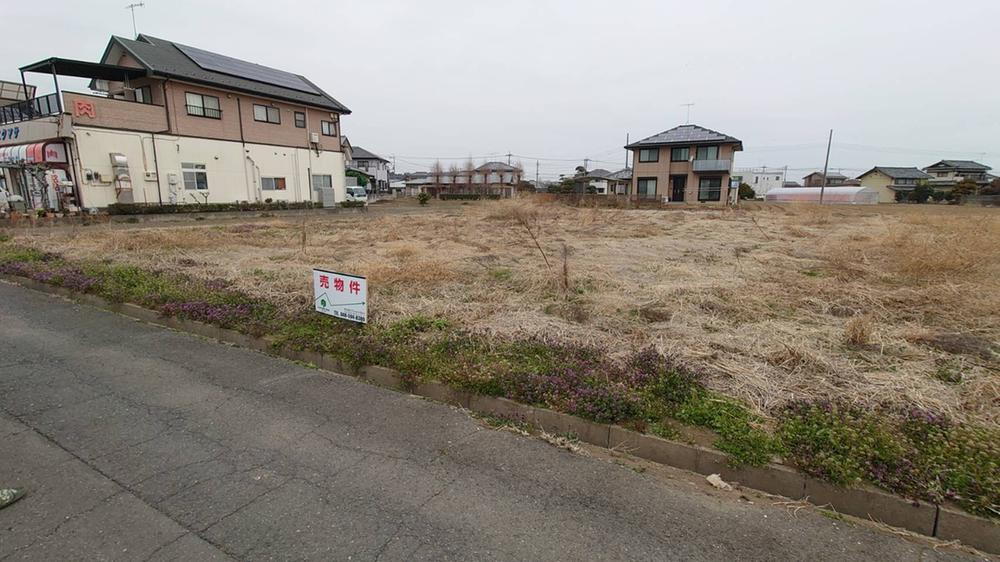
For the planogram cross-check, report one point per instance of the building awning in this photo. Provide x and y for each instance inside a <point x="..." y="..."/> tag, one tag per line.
<point x="85" y="69"/>
<point x="35" y="153"/>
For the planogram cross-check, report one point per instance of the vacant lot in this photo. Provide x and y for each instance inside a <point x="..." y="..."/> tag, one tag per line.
<point x="888" y="305"/>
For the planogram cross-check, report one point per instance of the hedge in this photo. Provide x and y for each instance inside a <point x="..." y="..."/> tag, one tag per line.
<point x="148" y="209"/>
<point x="468" y="196"/>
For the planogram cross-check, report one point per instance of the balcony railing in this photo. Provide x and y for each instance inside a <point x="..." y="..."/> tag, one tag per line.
<point x="202" y="111"/>
<point x="712" y="165"/>
<point x="42" y="106"/>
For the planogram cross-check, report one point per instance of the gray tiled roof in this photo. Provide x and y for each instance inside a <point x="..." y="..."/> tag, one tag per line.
<point x="163" y="58"/>
<point x="623" y="174"/>
<point x="910" y="173"/>
<point x="685" y="134"/>
<point x="359" y="153"/>
<point x="829" y="174"/>
<point x="960" y="164"/>
<point x="599" y="173"/>
<point x="496" y="167"/>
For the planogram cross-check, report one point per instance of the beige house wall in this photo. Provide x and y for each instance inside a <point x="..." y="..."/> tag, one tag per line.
<point x="234" y="170"/>
<point x="664" y="168"/>
<point x="879" y="182"/>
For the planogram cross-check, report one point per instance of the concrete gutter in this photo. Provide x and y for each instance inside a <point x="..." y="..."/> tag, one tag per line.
<point x="939" y="521"/>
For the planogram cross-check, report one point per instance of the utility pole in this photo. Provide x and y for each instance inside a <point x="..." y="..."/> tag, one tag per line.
<point x="132" y="7"/>
<point x="826" y="165"/>
<point x="536" y="174"/>
<point x="508" y="158"/>
<point x="586" y="164"/>
<point x="688" y="106"/>
<point x="626" y="151"/>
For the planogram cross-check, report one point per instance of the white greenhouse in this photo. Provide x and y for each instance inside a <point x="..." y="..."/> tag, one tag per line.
<point x="838" y="195"/>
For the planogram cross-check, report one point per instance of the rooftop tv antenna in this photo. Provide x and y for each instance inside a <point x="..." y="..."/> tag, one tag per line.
<point x="133" y="7"/>
<point x="688" y="106"/>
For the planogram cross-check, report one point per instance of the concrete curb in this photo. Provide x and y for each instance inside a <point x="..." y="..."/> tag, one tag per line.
<point x="942" y="522"/>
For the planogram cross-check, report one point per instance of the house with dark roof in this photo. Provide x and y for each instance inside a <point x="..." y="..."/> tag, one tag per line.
<point x="373" y="165"/>
<point x="688" y="163"/>
<point x="889" y="181"/>
<point x="946" y="173"/>
<point x="604" y="182"/>
<point x="815" y="179"/>
<point x="201" y="127"/>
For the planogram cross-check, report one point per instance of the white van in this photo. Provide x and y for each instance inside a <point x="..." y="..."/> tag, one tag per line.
<point x="357" y="193"/>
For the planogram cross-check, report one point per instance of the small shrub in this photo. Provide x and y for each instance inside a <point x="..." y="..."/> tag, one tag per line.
<point x="424" y="198"/>
<point x="858" y="331"/>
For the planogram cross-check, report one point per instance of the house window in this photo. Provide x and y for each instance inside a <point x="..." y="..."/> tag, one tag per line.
<point x="776" y="178"/>
<point x="266" y="114"/>
<point x="680" y="154"/>
<point x="646" y="187"/>
<point x="328" y="128"/>
<point x="272" y="184"/>
<point x="707" y="153"/>
<point x="300" y="119"/>
<point x="195" y="176"/>
<point x="755" y="178"/>
<point x="143" y="94"/>
<point x="202" y="106"/>
<point x="649" y="155"/>
<point x="322" y="181"/>
<point x="710" y="189"/>
<point x="942" y="174"/>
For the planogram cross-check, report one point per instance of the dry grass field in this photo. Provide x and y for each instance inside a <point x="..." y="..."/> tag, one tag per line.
<point x="894" y="304"/>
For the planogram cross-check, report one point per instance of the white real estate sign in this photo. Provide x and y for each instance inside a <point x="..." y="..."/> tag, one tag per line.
<point x="341" y="295"/>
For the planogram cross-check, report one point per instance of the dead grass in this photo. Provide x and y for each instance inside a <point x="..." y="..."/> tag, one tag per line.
<point x="776" y="303"/>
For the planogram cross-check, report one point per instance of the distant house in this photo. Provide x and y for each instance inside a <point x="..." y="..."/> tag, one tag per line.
<point x="946" y="173"/>
<point x="619" y="182"/>
<point x="345" y="147"/>
<point x="761" y="179"/>
<point x="373" y="165"/>
<point x="686" y="163"/>
<point x="493" y="178"/>
<point x="815" y="179"/>
<point x="889" y="181"/>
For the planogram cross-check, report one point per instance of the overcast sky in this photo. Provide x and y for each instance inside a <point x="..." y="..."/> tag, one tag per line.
<point x="903" y="83"/>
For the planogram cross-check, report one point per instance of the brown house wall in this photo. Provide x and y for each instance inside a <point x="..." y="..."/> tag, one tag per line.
<point x="235" y="106"/>
<point x="664" y="168"/>
<point x="116" y="114"/>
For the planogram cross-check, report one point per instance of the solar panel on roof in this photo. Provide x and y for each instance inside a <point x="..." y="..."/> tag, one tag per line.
<point x="242" y="69"/>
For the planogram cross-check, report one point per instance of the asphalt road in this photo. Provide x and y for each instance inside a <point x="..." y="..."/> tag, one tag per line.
<point x="140" y="443"/>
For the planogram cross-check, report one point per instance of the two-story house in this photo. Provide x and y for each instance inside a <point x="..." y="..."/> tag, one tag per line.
<point x="815" y="179"/>
<point x="946" y="173"/>
<point x="687" y="163"/>
<point x="171" y="124"/>
<point x="491" y="178"/>
<point x="889" y="180"/>
<point x="373" y="166"/>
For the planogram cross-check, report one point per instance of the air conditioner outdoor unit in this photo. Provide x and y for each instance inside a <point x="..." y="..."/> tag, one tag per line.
<point x="314" y="138"/>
